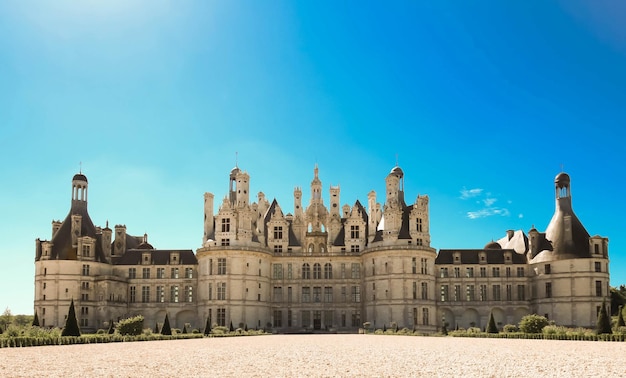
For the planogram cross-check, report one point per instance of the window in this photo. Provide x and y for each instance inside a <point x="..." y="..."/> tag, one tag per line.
<point x="306" y="271"/>
<point x="289" y="294"/>
<point x="418" y="221"/>
<point x="483" y="272"/>
<point x="520" y="272"/>
<point x="424" y="269"/>
<point x="443" y="272"/>
<point x="132" y="295"/>
<point x="84" y="297"/>
<point x="132" y="273"/>
<point x="211" y="291"/>
<point x="547" y="269"/>
<point x="221" y="266"/>
<point x="160" y="272"/>
<point x="210" y="266"/>
<point x="355" y="294"/>
<point x="306" y="294"/>
<point x="457" y="272"/>
<point x="469" y="292"/>
<point x="278" y="249"/>
<point x="444" y="293"/>
<point x="414" y="315"/>
<point x="509" y="292"/>
<point x="343" y="271"/>
<point x="306" y="318"/>
<point x="457" y="293"/>
<point x="344" y="295"/>
<point x="225" y="242"/>
<point x="496" y="293"/>
<point x="354" y="248"/>
<point x="425" y="317"/>
<point x="160" y="294"/>
<point x="221" y="291"/>
<point x="85" y="270"/>
<point x="278" y="232"/>
<point x="145" y="273"/>
<point x="598" y="288"/>
<point x="277" y="270"/>
<point x="424" y="290"/>
<point x="84" y="310"/>
<point x="221" y="317"/>
<point x="174" y="273"/>
<point x="414" y="290"/>
<point x="225" y="224"/>
<point x="188" y="272"/>
<point x="483" y="292"/>
<point x="414" y="265"/>
<point x="189" y="293"/>
<point x="328" y="271"/>
<point x="84" y="322"/>
<point x="521" y="292"/>
<point x="596" y="249"/>
<point x="356" y="319"/>
<point x="419" y="241"/>
<point x="356" y="270"/>
<point x="317" y="294"/>
<point x="328" y="294"/>
<point x="85" y="251"/>
<point x="495" y="272"/>
<point x="278" y="318"/>
<point x="508" y="272"/>
<point x="354" y="232"/>
<point x="598" y="267"/>
<point x="174" y="294"/>
<point x="145" y="294"/>
<point x="277" y="294"/>
<point x="317" y="271"/>
<point x="289" y="272"/>
<point x="469" y="272"/>
<point x="548" y="289"/>
<point x="84" y="285"/>
<point x="328" y="318"/>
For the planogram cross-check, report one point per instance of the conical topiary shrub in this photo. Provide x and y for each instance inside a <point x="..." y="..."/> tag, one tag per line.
<point x="71" y="325"/>
<point x="184" y="328"/>
<point x="207" y="326"/>
<point x="620" y="317"/>
<point x="604" y="322"/>
<point x="156" y="327"/>
<point x="35" y="320"/>
<point x="166" y="329"/>
<point x="491" y="327"/>
<point x="232" y="329"/>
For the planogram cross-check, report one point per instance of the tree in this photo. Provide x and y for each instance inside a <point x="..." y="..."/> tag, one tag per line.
<point x="232" y="329"/>
<point x="603" y="324"/>
<point x="618" y="298"/>
<point x="156" y="327"/>
<point x="491" y="327"/>
<point x="620" y="317"/>
<point x="71" y="325"/>
<point x="533" y="323"/>
<point x="6" y="318"/>
<point x="35" y="320"/>
<point x="166" y="329"/>
<point x="207" y="326"/>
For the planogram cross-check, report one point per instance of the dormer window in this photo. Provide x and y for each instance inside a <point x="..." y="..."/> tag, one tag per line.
<point x="174" y="258"/>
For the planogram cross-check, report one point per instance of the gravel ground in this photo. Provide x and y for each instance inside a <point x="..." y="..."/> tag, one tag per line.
<point x="321" y="356"/>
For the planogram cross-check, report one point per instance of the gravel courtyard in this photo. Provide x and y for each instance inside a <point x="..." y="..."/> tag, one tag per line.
<point x="321" y="356"/>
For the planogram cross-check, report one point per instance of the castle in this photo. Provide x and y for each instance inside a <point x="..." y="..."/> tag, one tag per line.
<point x="322" y="268"/>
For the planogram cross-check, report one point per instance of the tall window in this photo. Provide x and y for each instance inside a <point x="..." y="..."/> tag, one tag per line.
<point x="483" y="292"/>
<point x="188" y="272"/>
<point x="132" y="273"/>
<point x="221" y="291"/>
<point x="85" y="270"/>
<point x="210" y="291"/>
<point x="278" y="318"/>
<point x="189" y="293"/>
<point x="174" y="294"/>
<point x="328" y="294"/>
<point x="469" y="292"/>
<point x="306" y="271"/>
<point x="457" y="293"/>
<point x="344" y="295"/>
<point x="508" y="272"/>
<point x="289" y="294"/>
<point x="328" y="271"/>
<point x="174" y="273"/>
<point x="277" y="271"/>
<point x="160" y="294"/>
<point x="520" y="272"/>
<point x="354" y="232"/>
<point x="521" y="292"/>
<point x="483" y="271"/>
<point x="132" y="295"/>
<point x="419" y="224"/>
<point x="424" y="290"/>
<point x="356" y="270"/>
<point x="598" y="288"/>
<point x="343" y="270"/>
<point x="225" y="224"/>
<point x="444" y="293"/>
<point x="509" y="292"/>
<point x="145" y="294"/>
<point x="278" y="232"/>
<point x="443" y="272"/>
<point x="317" y="271"/>
<point x="598" y="267"/>
<point x="414" y="290"/>
<point x="289" y="271"/>
<point x="547" y="269"/>
<point x="145" y="273"/>
<point x="495" y="272"/>
<point x="425" y="317"/>
<point x="356" y="294"/>
<point x="469" y="272"/>
<point x="85" y="251"/>
<point x="424" y="269"/>
<point x="277" y="294"/>
<point x="356" y="318"/>
<point x="457" y="272"/>
<point x="496" y="293"/>
<point x="306" y="294"/>
<point x="548" y="289"/>
<point x="221" y="266"/>
<point x="414" y="265"/>
<point x="317" y="294"/>
<point x="160" y="272"/>
<point x="221" y="317"/>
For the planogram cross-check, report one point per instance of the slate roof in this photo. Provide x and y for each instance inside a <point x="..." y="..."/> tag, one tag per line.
<point x="472" y="256"/>
<point x="157" y="257"/>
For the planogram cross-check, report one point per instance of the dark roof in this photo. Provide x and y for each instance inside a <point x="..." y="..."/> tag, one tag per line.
<point x="340" y="240"/>
<point x="79" y="177"/>
<point x="472" y="256"/>
<point x="157" y="257"/>
<point x="404" y="229"/>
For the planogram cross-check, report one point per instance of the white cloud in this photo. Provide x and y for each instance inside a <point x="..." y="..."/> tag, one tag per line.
<point x="489" y="201"/>
<point x="487" y="212"/>
<point x="469" y="193"/>
<point x="520" y="216"/>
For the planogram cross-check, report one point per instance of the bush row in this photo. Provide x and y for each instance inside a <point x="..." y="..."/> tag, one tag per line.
<point x="27" y="341"/>
<point x="541" y="336"/>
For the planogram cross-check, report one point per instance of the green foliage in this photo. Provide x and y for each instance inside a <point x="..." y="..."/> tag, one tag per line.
<point x="131" y="326"/>
<point x="156" y="328"/>
<point x="603" y="324"/>
<point x="166" y="329"/>
<point x="184" y="328"/>
<point x="491" y="327"/>
<point x="35" y="322"/>
<point x="533" y="323"/>
<point x="71" y="324"/>
<point x="618" y="298"/>
<point x="111" y="329"/>
<point x="509" y="328"/>
<point x="101" y="332"/>
<point x="6" y="318"/>
<point x="232" y="329"/>
<point x="620" y="317"/>
<point x="207" y="326"/>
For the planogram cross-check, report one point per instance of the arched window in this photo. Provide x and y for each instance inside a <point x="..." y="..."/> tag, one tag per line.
<point x="322" y="249"/>
<point x="306" y="271"/>
<point x="328" y="271"/>
<point x="311" y="248"/>
<point x="317" y="271"/>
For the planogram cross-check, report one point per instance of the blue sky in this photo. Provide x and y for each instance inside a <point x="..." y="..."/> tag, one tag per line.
<point x="480" y="102"/>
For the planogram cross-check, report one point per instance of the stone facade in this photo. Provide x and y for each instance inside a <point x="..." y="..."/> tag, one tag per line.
<point x="321" y="268"/>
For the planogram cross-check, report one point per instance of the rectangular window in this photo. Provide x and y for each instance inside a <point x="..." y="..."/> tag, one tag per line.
<point x="210" y="291"/>
<point x="174" y="294"/>
<point x="424" y="269"/>
<point x="598" y="288"/>
<point x="145" y="273"/>
<point x="84" y="297"/>
<point x="278" y="318"/>
<point x="495" y="272"/>
<point x="443" y="272"/>
<point x="277" y="294"/>
<point x="289" y="272"/>
<point x="289" y="316"/>
<point x="160" y="294"/>
<point x="189" y="293"/>
<point x="356" y="294"/>
<point x="343" y="270"/>
<point x="414" y="316"/>
<point x="278" y="249"/>
<point x="317" y="294"/>
<point x="508" y="272"/>
<point x="278" y="232"/>
<point x="457" y="272"/>
<point x="509" y="292"/>
<point x="85" y="270"/>
<point x="469" y="272"/>
<point x="457" y="293"/>
<point x="424" y="290"/>
<point x="419" y="224"/>
<point x="548" y="289"/>
<point x="328" y="294"/>
<point x="221" y="317"/>
<point x="598" y="267"/>
<point x="414" y="290"/>
<point x="354" y="232"/>
<point x="225" y="224"/>
<point x="225" y="242"/>
<point x="84" y="322"/>
<point x="85" y="251"/>
<point x="145" y="294"/>
<point x="521" y="292"/>
<point x="277" y="271"/>
<point x="328" y="271"/>
<point x="414" y="265"/>
<point x="344" y="295"/>
<point x="132" y="295"/>
<point x="160" y="272"/>
<point x="547" y="269"/>
<point x="356" y="270"/>
<point x="174" y="273"/>
<point x="596" y="249"/>
<point x="289" y="294"/>
<point x="483" y="272"/>
<point x="520" y="272"/>
<point x="221" y="266"/>
<point x="444" y="293"/>
<point x="306" y="294"/>
<point x="496" y="293"/>
<point x="210" y="267"/>
<point x="425" y="317"/>
<point x="483" y="292"/>
<point x="469" y="292"/>
<point x="188" y="272"/>
<point x="356" y="319"/>
<point x="221" y="291"/>
<point x="355" y="248"/>
<point x="328" y="318"/>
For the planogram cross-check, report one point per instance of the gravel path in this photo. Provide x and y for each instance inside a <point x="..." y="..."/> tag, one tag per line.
<point x="321" y="356"/>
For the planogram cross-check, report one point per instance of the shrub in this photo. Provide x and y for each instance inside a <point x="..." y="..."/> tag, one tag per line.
<point x="111" y="328"/>
<point x="166" y="329"/>
<point x="473" y="330"/>
<point x="510" y="328"/>
<point x="604" y="322"/>
<point x="131" y="326"/>
<point x="71" y="324"/>
<point x="491" y="327"/>
<point x="101" y="332"/>
<point x="620" y="318"/>
<point x="533" y="323"/>
<point x="35" y="320"/>
<point x="207" y="327"/>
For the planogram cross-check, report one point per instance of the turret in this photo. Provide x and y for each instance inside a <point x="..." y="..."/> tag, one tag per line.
<point x="119" y="245"/>
<point x="208" y="217"/>
<point x="106" y="241"/>
<point x="297" y="202"/>
<point x="334" y="201"/>
<point x="316" y="187"/>
<point x="395" y="187"/>
<point x="79" y="191"/>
